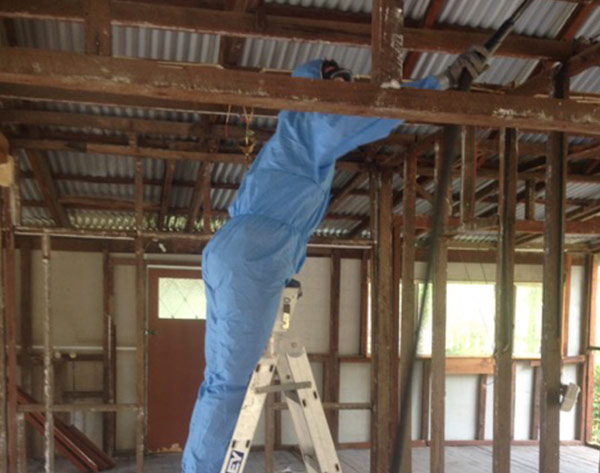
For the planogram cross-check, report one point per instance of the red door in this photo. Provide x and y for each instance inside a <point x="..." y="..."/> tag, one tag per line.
<point x="176" y="354"/>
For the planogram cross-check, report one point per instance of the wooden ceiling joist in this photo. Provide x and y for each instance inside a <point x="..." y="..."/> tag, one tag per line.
<point x="142" y="78"/>
<point x="240" y="24"/>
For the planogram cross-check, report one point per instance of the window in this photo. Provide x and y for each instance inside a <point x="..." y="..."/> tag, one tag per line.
<point x="470" y="320"/>
<point x="181" y="298"/>
<point x="595" y="434"/>
<point x="470" y="309"/>
<point x="528" y="320"/>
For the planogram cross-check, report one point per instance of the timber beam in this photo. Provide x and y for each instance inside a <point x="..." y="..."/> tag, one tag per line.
<point x="196" y="85"/>
<point x="244" y="25"/>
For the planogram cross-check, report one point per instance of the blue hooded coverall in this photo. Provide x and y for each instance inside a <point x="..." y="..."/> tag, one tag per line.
<point x="247" y="263"/>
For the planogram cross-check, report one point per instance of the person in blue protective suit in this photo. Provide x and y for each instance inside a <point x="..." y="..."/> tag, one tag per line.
<point x="247" y="263"/>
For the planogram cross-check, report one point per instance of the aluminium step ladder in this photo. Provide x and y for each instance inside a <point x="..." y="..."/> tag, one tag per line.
<point x="287" y="359"/>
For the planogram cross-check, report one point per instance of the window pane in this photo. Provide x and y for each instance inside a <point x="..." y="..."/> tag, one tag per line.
<point x="470" y="320"/>
<point x="424" y="347"/>
<point x="596" y="401"/>
<point x="528" y="320"/>
<point x="471" y="309"/>
<point x="181" y="298"/>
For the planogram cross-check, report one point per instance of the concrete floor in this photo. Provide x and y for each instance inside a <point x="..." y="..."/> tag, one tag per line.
<point x="458" y="460"/>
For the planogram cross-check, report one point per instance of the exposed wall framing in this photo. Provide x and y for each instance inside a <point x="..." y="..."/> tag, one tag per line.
<point x="29" y="76"/>
<point x="553" y="292"/>
<point x="505" y="304"/>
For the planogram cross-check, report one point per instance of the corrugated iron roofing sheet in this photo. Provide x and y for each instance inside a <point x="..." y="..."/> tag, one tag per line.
<point x="591" y="28"/>
<point x="587" y="82"/>
<point x="166" y="45"/>
<point x="50" y="34"/>
<point x="545" y="19"/>
<point x="542" y="19"/>
<point x="286" y="55"/>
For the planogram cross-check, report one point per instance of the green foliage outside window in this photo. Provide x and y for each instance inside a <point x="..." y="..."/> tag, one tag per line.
<point x="470" y="319"/>
<point x="596" y="403"/>
<point x="528" y="320"/>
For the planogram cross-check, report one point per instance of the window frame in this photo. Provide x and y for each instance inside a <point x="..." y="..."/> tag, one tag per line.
<point x="155" y="273"/>
<point x="366" y="318"/>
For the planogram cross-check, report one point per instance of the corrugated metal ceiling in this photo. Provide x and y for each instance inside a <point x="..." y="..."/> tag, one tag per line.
<point x="545" y="19"/>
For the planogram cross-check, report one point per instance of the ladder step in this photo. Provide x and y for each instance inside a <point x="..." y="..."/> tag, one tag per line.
<point x="276" y="388"/>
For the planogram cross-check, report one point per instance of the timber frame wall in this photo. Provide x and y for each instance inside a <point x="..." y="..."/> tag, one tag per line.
<point x="330" y="361"/>
<point x="50" y="75"/>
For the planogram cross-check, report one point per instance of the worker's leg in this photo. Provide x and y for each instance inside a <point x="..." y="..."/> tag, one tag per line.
<point x="245" y="267"/>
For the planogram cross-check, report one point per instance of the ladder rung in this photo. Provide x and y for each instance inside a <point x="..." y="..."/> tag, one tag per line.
<point x="276" y="388"/>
